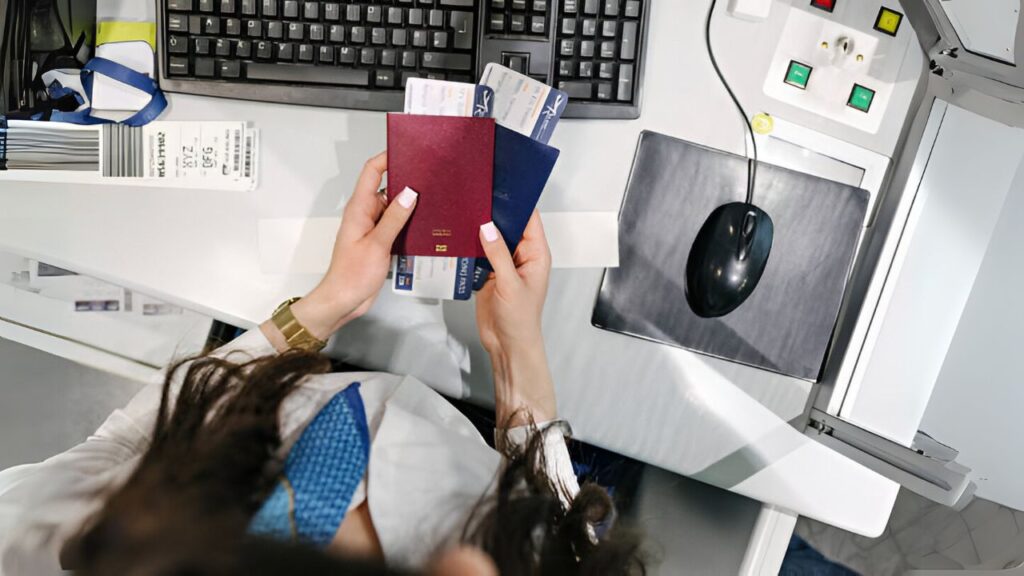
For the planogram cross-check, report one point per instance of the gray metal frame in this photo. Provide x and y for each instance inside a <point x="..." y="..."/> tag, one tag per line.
<point x="985" y="86"/>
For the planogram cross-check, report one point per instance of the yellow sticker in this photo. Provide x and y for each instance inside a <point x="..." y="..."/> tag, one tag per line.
<point x="108" y="32"/>
<point x="763" y="123"/>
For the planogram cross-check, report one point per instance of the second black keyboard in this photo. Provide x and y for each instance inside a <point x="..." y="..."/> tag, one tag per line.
<point x="360" y="54"/>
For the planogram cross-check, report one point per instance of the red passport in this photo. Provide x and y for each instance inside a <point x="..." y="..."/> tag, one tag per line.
<point x="449" y="161"/>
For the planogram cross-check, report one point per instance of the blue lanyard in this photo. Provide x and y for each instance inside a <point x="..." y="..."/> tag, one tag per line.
<point x="156" y="105"/>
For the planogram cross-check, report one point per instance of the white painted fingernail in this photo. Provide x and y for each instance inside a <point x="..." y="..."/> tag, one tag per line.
<point x="407" y="197"/>
<point x="490" y="231"/>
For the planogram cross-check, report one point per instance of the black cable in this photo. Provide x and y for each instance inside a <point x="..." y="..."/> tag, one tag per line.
<point x="751" y="163"/>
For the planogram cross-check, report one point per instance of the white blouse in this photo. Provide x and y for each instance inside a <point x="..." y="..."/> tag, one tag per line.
<point x="428" y="467"/>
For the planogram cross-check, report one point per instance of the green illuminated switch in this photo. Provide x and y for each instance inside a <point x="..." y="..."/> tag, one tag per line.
<point x="860" y="98"/>
<point x="798" y="74"/>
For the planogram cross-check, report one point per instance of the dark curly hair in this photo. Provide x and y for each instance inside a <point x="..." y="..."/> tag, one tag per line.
<point x="214" y="458"/>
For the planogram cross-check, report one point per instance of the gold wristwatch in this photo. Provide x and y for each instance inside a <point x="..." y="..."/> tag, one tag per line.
<point x="295" y="334"/>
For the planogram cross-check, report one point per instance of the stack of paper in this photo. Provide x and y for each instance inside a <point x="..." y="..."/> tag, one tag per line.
<point x="26" y="145"/>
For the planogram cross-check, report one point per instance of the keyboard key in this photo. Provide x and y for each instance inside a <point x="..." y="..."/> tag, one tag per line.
<point x="177" y="66"/>
<point x="346" y="55"/>
<point x="311" y="10"/>
<point x="608" y="49"/>
<point x="254" y="28"/>
<point x="606" y="70"/>
<point x="275" y="30"/>
<point x="589" y="27"/>
<point x="233" y="27"/>
<point x="407" y="75"/>
<point x="567" y="47"/>
<point x="632" y="9"/>
<point x="316" y="32"/>
<point x="337" y="34"/>
<point x="440" y="41"/>
<point x="436" y="19"/>
<point x="201" y="46"/>
<point x="604" y="91"/>
<point x="519" y="4"/>
<point x="248" y="7"/>
<point x="447" y="60"/>
<point x="230" y="69"/>
<point x="222" y="47"/>
<point x="625" y="83"/>
<point x="538" y="24"/>
<point x="416" y="17"/>
<point x="353" y="13"/>
<point x="181" y="5"/>
<point x="419" y="38"/>
<point x="195" y="24"/>
<point x="399" y="37"/>
<point x="296" y="31"/>
<point x="379" y="36"/>
<point x="568" y="26"/>
<point x="497" y="5"/>
<point x="227" y="7"/>
<point x="368" y="56"/>
<point x="497" y="23"/>
<point x="385" y="79"/>
<point x="409" y="59"/>
<point x="285" y="51"/>
<point x="577" y="89"/>
<point x="326" y="55"/>
<point x="374" y="14"/>
<point x="609" y="28"/>
<point x="590" y="7"/>
<point x="565" y="68"/>
<point x="177" y="23"/>
<point x="462" y="23"/>
<point x="243" y="49"/>
<point x="540" y="5"/>
<point x="269" y="9"/>
<point x="586" y="69"/>
<point x="518" y="23"/>
<point x="291" y="9"/>
<point x="305" y="53"/>
<point x="569" y="7"/>
<point x="458" y="3"/>
<point x="205" y="68"/>
<point x="357" y="35"/>
<point x="628" y="45"/>
<point x="388" y="57"/>
<point x="308" y="74"/>
<point x="611" y="8"/>
<point x="587" y="49"/>
<point x="395" y="16"/>
<point x="332" y="12"/>
<point x="264" y="50"/>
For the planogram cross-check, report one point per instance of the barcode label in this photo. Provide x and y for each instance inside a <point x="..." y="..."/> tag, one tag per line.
<point x="123" y="151"/>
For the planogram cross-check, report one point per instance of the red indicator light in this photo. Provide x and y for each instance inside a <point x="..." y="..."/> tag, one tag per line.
<point x="826" y="5"/>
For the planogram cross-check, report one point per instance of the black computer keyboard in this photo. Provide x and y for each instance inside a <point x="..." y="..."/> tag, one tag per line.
<point x="360" y="53"/>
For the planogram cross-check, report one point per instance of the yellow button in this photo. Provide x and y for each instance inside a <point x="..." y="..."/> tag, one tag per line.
<point x="888" y="21"/>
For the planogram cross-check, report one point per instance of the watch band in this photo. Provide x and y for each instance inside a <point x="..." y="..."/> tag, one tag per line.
<point x="295" y="334"/>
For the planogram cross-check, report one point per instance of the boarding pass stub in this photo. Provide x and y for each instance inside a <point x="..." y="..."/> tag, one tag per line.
<point x="199" y="150"/>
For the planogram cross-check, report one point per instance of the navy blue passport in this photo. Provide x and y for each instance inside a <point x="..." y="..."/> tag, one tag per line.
<point x="522" y="167"/>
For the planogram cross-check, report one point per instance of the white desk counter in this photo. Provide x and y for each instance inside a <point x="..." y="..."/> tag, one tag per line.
<point x="720" y="422"/>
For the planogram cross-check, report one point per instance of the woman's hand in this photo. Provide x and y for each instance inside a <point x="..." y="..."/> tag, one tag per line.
<point x="508" y="314"/>
<point x="362" y="255"/>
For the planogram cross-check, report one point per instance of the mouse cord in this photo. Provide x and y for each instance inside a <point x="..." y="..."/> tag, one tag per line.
<point x="751" y="163"/>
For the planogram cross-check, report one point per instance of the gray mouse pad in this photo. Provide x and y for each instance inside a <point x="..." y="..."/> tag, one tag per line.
<point x="786" y="324"/>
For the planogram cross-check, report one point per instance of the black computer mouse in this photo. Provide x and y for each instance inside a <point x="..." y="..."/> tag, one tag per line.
<point x="728" y="258"/>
